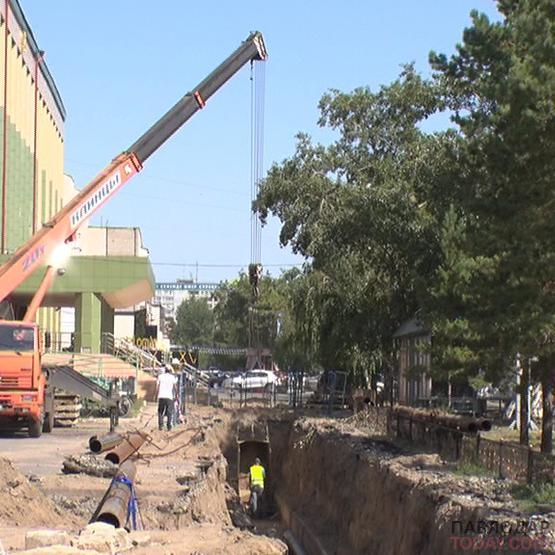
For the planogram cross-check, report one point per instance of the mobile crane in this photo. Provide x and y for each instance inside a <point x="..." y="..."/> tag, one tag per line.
<point x="26" y="392"/>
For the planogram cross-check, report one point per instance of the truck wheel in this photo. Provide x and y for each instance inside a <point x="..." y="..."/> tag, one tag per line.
<point x="35" y="428"/>
<point x="48" y="423"/>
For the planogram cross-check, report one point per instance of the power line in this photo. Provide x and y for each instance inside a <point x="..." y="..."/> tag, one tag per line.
<point x="186" y="265"/>
<point x="148" y="176"/>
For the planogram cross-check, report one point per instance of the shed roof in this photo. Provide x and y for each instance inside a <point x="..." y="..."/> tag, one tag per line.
<point x="414" y="326"/>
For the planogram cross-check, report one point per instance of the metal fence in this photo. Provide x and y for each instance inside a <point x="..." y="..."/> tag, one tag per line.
<point x="192" y="392"/>
<point x="507" y="460"/>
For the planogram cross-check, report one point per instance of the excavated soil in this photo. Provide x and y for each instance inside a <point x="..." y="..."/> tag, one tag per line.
<point x="336" y="485"/>
<point x="186" y="505"/>
<point x="23" y="503"/>
<point x="344" y="492"/>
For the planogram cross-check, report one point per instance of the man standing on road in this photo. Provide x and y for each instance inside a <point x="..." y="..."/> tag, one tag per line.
<point x="257" y="476"/>
<point x="165" y="392"/>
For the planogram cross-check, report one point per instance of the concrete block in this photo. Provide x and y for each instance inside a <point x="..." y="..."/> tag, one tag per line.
<point x="104" y="538"/>
<point x="46" y="538"/>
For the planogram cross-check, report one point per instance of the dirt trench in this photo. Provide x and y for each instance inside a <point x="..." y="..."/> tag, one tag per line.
<point x="337" y="488"/>
<point x="340" y="490"/>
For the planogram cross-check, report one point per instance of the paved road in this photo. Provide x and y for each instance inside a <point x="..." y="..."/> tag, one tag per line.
<point x="44" y="455"/>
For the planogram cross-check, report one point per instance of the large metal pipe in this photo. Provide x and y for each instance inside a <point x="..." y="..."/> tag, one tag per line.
<point x="114" y="508"/>
<point x="130" y="445"/>
<point x="105" y="442"/>
<point x="462" y="423"/>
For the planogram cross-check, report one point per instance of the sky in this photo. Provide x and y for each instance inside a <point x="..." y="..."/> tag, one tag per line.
<point x="121" y="64"/>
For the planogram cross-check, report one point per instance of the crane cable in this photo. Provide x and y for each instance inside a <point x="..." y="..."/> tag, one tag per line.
<point x="258" y="82"/>
<point x="258" y="86"/>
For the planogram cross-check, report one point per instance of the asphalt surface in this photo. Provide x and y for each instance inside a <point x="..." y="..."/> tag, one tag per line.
<point x="44" y="455"/>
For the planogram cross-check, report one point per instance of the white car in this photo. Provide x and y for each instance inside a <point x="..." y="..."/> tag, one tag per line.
<point x="252" y="379"/>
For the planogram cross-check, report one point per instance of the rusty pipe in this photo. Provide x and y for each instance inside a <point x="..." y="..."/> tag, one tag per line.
<point x="114" y="508"/>
<point x="130" y="445"/>
<point x="461" y="423"/>
<point x="105" y="442"/>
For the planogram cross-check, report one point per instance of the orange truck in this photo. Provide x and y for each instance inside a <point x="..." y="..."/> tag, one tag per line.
<point x="26" y="399"/>
<point x="26" y="388"/>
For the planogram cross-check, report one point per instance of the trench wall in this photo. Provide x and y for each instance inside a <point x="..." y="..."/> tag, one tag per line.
<point x="342" y="495"/>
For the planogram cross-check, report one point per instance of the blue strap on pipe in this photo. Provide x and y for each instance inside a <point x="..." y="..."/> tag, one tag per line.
<point x="132" y="507"/>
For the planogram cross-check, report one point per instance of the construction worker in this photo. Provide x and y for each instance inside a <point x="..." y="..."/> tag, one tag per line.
<point x="257" y="477"/>
<point x="166" y="386"/>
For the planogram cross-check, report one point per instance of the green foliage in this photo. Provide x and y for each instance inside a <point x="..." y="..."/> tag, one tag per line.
<point x="357" y="210"/>
<point x="458" y="224"/>
<point x="194" y="323"/>
<point x="470" y="469"/>
<point x="495" y="295"/>
<point x="536" y="496"/>
<point x="240" y="324"/>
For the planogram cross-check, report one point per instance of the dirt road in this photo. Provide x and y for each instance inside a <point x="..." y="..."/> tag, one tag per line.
<point x="181" y="485"/>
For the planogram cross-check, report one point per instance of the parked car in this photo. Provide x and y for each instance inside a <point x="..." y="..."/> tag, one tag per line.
<point x="218" y="378"/>
<point x="252" y="379"/>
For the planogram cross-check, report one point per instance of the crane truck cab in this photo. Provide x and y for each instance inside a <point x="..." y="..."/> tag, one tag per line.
<point x="25" y="399"/>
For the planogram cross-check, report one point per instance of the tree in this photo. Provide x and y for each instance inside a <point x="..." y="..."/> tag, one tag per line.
<point x="194" y="323"/>
<point x="460" y="223"/>
<point x="238" y="322"/>
<point x="357" y="210"/>
<point x="496" y="290"/>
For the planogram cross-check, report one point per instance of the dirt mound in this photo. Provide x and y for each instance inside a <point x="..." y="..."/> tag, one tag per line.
<point x="23" y="503"/>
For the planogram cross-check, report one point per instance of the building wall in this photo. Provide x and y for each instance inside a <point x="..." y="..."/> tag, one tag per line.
<point x="111" y="241"/>
<point x="31" y="133"/>
<point x="171" y="294"/>
<point x="31" y="139"/>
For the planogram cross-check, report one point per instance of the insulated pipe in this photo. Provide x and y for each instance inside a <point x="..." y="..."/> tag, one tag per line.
<point x="105" y="442"/>
<point x="461" y="423"/>
<point x="130" y="445"/>
<point x="115" y="506"/>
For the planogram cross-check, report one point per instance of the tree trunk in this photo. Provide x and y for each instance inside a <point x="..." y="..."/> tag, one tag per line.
<point x="547" y="414"/>
<point x="524" y="394"/>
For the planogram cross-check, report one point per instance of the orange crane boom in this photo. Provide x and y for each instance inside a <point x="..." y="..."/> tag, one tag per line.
<point x="38" y="250"/>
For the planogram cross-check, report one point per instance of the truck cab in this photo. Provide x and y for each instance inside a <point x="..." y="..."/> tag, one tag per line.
<point x="23" y="384"/>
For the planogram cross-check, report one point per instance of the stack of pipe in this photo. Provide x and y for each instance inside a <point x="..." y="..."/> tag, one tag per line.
<point x="114" y="507"/>
<point x="466" y="424"/>
<point x="127" y="447"/>
<point x="105" y="442"/>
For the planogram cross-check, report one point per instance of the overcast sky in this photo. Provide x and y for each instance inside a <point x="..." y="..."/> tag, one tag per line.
<point x="120" y="64"/>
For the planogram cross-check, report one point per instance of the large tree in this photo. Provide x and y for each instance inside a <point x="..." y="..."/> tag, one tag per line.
<point x="496" y="293"/>
<point x="459" y="223"/>
<point x="194" y="323"/>
<point x="358" y="211"/>
<point x="239" y="323"/>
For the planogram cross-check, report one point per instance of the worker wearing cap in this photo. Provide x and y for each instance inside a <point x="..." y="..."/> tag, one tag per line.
<point x="257" y="476"/>
<point x="166" y="385"/>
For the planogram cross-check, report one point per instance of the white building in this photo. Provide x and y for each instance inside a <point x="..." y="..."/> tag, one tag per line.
<point x="171" y="294"/>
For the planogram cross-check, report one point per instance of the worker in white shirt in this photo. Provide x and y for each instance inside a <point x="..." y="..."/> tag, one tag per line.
<point x="166" y="386"/>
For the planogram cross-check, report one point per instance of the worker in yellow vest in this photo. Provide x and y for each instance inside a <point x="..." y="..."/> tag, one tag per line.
<point x="257" y="477"/>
